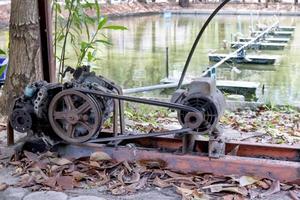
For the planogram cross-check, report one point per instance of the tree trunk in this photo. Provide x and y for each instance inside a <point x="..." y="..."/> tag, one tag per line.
<point x="296" y="2"/>
<point x="25" y="64"/>
<point x="267" y="3"/>
<point x="184" y="3"/>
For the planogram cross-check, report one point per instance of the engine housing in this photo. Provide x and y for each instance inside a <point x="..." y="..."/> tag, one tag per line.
<point x="203" y="95"/>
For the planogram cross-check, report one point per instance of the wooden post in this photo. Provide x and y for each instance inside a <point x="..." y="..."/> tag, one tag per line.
<point x="46" y="40"/>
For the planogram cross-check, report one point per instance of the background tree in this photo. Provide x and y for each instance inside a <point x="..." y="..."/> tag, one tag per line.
<point x="184" y="3"/>
<point x="25" y="64"/>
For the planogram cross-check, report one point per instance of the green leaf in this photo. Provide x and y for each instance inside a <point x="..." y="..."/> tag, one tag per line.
<point x="2" y="69"/>
<point x="90" y="56"/>
<point x="57" y="7"/>
<point x="2" y="52"/>
<point x="103" y="42"/>
<point x="97" y="9"/>
<point x="102" y="22"/>
<point x="115" y="27"/>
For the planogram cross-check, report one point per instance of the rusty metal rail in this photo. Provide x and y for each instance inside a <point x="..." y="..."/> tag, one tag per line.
<point x="280" y="162"/>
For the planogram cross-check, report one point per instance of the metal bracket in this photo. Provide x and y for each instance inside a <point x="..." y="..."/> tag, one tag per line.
<point x="216" y="144"/>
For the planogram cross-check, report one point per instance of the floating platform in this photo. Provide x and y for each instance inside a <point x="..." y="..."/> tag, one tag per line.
<point x="286" y="28"/>
<point x="277" y="33"/>
<point x="245" y="88"/>
<point x="259" y="45"/>
<point x="248" y="59"/>
<point x="280" y="28"/>
<point x="268" y="39"/>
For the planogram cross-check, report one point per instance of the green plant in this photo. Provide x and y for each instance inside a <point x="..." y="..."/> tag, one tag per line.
<point x="2" y="69"/>
<point x="74" y="23"/>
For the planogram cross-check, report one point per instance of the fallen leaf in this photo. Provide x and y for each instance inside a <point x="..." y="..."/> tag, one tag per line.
<point x="227" y="188"/>
<point x="247" y="180"/>
<point x="99" y="156"/>
<point x="160" y="183"/>
<point x="274" y="188"/>
<point x="78" y="176"/>
<point x="232" y="197"/>
<point x="175" y="175"/>
<point x="3" y="186"/>
<point x="31" y="156"/>
<point x="50" y="182"/>
<point x="139" y="185"/>
<point x="60" y="161"/>
<point x="66" y="182"/>
<point x="94" y="164"/>
<point x="135" y="177"/>
<point x="118" y="190"/>
<point x="293" y="195"/>
<point x="190" y="193"/>
<point x="262" y="184"/>
<point x="239" y="190"/>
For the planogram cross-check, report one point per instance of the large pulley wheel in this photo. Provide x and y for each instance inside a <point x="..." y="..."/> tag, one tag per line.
<point x="74" y="116"/>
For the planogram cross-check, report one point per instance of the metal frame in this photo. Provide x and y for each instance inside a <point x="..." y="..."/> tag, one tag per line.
<point x="279" y="162"/>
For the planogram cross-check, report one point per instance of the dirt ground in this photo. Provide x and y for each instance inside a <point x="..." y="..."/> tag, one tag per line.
<point x="257" y="125"/>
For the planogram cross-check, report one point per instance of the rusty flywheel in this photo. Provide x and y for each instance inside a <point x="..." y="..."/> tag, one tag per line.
<point x="74" y="116"/>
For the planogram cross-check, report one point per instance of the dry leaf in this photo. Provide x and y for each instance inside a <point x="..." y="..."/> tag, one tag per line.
<point x="94" y="164"/>
<point x="293" y="195"/>
<point x="275" y="187"/>
<point x="31" y="156"/>
<point x="50" y="182"/>
<point x="66" y="182"/>
<point x="60" y="161"/>
<point x="99" y="156"/>
<point x="78" y="176"/>
<point x="247" y="180"/>
<point x="160" y="183"/>
<point x="243" y="191"/>
<point x="3" y="186"/>
<point x="118" y="190"/>
<point x="227" y="188"/>
<point x="190" y="193"/>
<point x="135" y="177"/>
<point x="232" y="197"/>
<point x="262" y="184"/>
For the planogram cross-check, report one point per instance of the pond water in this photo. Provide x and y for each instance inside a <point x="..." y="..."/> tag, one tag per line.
<point x="137" y="57"/>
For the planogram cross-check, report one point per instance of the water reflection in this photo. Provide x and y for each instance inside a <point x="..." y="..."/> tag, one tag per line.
<point x="137" y="57"/>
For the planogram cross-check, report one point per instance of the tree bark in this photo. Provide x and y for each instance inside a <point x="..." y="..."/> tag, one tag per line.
<point x="184" y="3"/>
<point x="267" y="3"/>
<point x="296" y="2"/>
<point x="25" y="63"/>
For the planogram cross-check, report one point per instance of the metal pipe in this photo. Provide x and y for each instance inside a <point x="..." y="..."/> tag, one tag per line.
<point x="167" y="62"/>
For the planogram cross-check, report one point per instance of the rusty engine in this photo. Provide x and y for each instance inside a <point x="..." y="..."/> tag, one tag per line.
<point x="76" y="110"/>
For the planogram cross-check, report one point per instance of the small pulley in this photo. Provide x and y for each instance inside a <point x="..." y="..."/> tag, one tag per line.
<point x="21" y="120"/>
